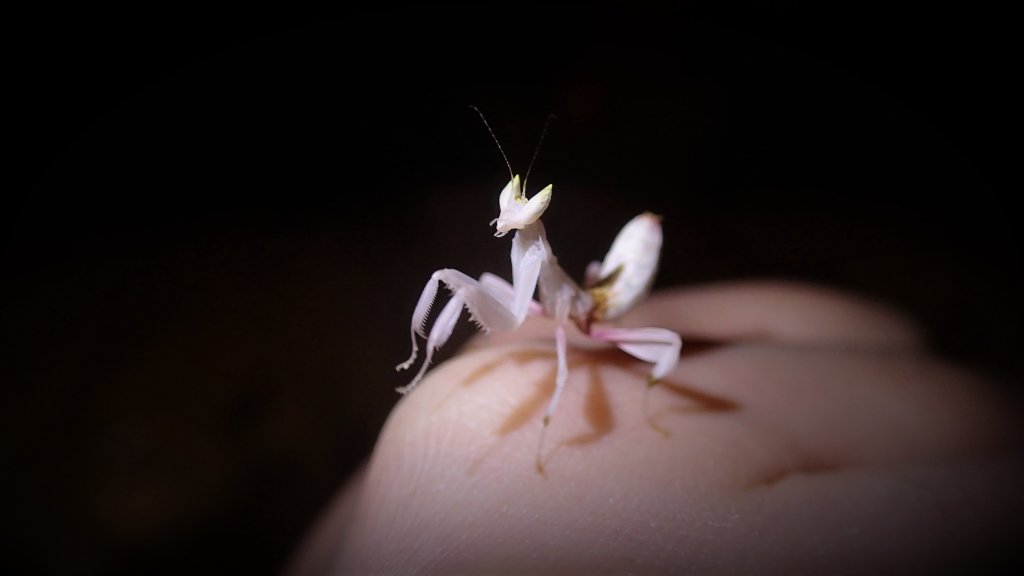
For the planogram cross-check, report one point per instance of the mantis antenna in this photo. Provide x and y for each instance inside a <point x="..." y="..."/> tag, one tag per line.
<point x="536" y="151"/>
<point x="500" y="149"/>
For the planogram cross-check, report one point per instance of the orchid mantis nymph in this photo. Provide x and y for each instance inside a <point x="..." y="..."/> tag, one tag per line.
<point x="610" y="289"/>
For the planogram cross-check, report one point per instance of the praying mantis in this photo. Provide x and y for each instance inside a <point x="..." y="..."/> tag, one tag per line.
<point x="610" y="289"/>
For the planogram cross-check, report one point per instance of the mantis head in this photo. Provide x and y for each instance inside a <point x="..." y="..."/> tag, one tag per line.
<point x="516" y="211"/>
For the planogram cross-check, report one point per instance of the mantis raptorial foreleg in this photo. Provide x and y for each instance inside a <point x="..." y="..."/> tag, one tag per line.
<point x="486" y="301"/>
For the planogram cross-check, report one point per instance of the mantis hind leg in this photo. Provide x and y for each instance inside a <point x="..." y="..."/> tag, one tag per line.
<point x="658" y="346"/>
<point x="561" y="377"/>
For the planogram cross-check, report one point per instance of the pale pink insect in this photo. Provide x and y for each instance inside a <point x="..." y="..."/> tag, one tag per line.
<point x="611" y="288"/>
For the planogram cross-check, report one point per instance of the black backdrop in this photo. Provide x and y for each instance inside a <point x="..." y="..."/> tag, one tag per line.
<point x="209" y="271"/>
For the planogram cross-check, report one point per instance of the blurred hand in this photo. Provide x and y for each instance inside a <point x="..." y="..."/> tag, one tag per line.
<point x="803" y="431"/>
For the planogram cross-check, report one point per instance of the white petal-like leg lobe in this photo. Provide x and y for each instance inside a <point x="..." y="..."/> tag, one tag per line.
<point x="635" y="254"/>
<point x="655" y="345"/>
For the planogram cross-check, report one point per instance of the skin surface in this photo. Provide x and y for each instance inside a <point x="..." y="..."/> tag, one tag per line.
<point x="804" y="431"/>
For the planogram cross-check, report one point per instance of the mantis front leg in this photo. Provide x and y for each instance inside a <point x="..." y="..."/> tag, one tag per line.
<point x="486" y="299"/>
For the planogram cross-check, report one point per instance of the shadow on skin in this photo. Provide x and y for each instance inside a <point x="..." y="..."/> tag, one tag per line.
<point x="597" y="409"/>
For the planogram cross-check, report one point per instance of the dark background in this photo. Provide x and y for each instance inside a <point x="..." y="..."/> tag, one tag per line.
<point x="209" y="270"/>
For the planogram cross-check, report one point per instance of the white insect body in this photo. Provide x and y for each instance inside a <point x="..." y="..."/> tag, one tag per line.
<point x="611" y="288"/>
